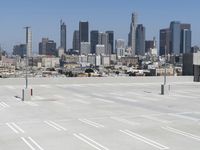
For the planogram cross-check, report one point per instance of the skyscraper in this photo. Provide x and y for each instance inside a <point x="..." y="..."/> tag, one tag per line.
<point x="76" y="40"/>
<point x="47" y="47"/>
<point x="63" y="35"/>
<point x="149" y="45"/>
<point x="85" y="48"/>
<point x="29" y="41"/>
<point x="20" y="50"/>
<point x="140" y="40"/>
<point x="103" y="40"/>
<point x="186" y="38"/>
<point x="83" y="32"/>
<point x="110" y="42"/>
<point x="132" y="33"/>
<point x="175" y="28"/>
<point x="94" y="40"/>
<point x="164" y="41"/>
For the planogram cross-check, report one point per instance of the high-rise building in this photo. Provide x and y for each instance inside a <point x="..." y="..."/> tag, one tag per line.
<point x="120" y="47"/>
<point x="119" y="43"/>
<point x="103" y="40"/>
<point x="165" y="41"/>
<point x="20" y="50"/>
<point x="110" y="42"/>
<point x="100" y="49"/>
<point x="149" y="45"/>
<point x="175" y="39"/>
<point x="85" y="48"/>
<point x="132" y="34"/>
<point x="47" y="47"/>
<point x="76" y="40"/>
<point x="29" y="41"/>
<point x="140" y="40"/>
<point x="186" y="38"/>
<point x="94" y="40"/>
<point x="83" y="32"/>
<point x="63" y="35"/>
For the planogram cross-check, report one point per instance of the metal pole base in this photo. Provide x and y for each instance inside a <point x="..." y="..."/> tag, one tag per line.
<point x="165" y="89"/>
<point x="26" y="94"/>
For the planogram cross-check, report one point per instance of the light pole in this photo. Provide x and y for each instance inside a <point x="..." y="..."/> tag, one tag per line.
<point x="165" y="75"/>
<point x="27" y="50"/>
<point x="26" y="93"/>
<point x="164" y="88"/>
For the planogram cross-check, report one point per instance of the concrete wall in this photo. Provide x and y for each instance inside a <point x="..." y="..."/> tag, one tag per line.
<point x="86" y="80"/>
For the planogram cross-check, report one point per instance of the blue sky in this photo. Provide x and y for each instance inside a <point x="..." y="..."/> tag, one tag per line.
<point x="44" y="16"/>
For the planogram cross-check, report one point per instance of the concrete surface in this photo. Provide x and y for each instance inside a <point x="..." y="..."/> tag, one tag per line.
<point x="100" y="114"/>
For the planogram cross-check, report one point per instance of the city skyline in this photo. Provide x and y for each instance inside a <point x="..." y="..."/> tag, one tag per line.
<point x="45" y="22"/>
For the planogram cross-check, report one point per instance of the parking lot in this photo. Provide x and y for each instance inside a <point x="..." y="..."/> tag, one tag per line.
<point x="99" y="115"/>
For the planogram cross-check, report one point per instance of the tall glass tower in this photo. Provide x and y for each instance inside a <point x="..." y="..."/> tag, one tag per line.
<point x="132" y="33"/>
<point x="63" y="35"/>
<point x="83" y="32"/>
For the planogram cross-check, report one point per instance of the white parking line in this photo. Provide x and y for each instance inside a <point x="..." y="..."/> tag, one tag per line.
<point x="45" y="86"/>
<point x="104" y="100"/>
<point x="31" y="104"/>
<point x="90" y="142"/>
<point x="59" y="103"/>
<point x="124" y="121"/>
<point x="10" y="87"/>
<point x="184" y="96"/>
<point x="55" y="125"/>
<point x="15" y="128"/>
<point x="144" y="139"/>
<point x="189" y="135"/>
<point x="94" y="124"/>
<point x="117" y="94"/>
<point x="59" y="96"/>
<point x="126" y="99"/>
<point x="38" y="98"/>
<point x="31" y="143"/>
<point x="4" y="105"/>
<point x="184" y="117"/>
<point x="155" y="119"/>
<point x="81" y="101"/>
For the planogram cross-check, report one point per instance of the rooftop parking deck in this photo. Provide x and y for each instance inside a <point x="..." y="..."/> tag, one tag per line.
<point x="100" y="114"/>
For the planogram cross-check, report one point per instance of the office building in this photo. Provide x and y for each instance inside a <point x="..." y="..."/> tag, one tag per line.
<point x="85" y="48"/>
<point x="140" y="40"/>
<point x="119" y="43"/>
<point x="120" y="47"/>
<point x="63" y="35"/>
<point x="83" y="32"/>
<point x="132" y="34"/>
<point x="100" y="49"/>
<point x="149" y="45"/>
<point x="47" y="47"/>
<point x="94" y="40"/>
<point x="175" y="39"/>
<point x="103" y="40"/>
<point x="186" y="38"/>
<point x="76" y="40"/>
<point x="20" y="50"/>
<point x="164" y="41"/>
<point x="110" y="42"/>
